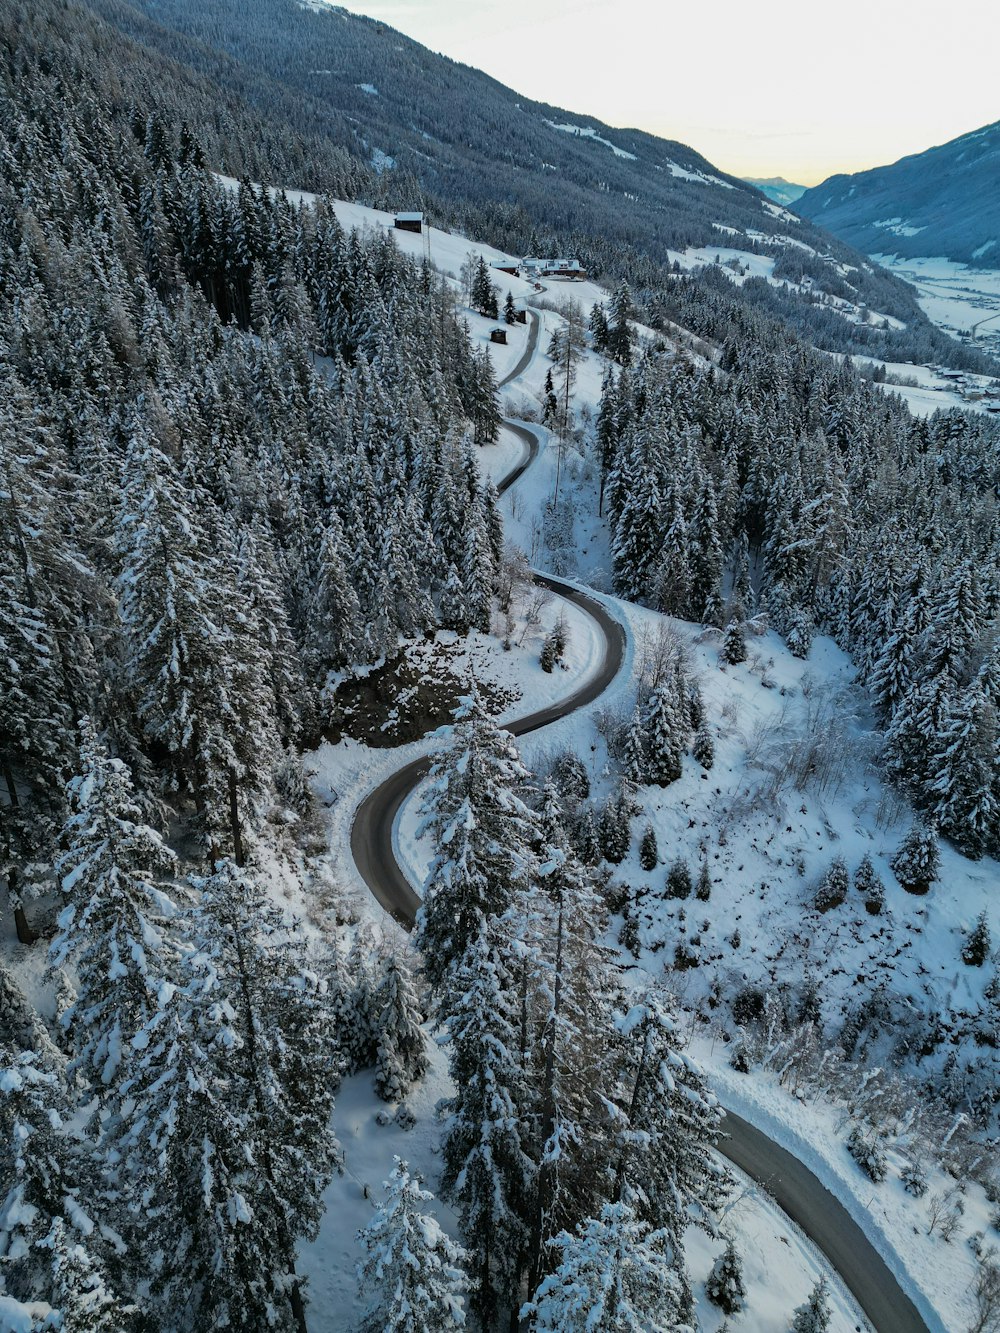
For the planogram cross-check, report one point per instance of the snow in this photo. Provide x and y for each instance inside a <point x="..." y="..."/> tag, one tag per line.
<point x="964" y="302"/>
<point x="937" y="1279"/>
<point x="588" y="132"/>
<point x="699" y="177"/>
<point x="368" y="88"/>
<point x="898" y="227"/>
<point x="18" y="1318"/>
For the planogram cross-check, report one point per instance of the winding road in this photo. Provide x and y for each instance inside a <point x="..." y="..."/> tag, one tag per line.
<point x="817" y="1212"/>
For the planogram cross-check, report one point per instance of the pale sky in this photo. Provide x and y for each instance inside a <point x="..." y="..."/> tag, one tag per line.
<point x="772" y="88"/>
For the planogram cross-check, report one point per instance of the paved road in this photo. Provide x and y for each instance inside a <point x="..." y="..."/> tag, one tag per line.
<point x="525" y="358"/>
<point x="796" y="1190"/>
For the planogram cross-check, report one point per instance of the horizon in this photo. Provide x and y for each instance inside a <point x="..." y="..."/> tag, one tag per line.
<point x="746" y="125"/>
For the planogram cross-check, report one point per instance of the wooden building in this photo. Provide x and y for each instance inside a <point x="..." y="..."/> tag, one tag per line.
<point x="409" y="222"/>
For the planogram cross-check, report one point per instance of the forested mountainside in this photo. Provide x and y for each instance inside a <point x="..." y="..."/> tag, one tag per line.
<point x="944" y="201"/>
<point x="777" y="188"/>
<point x="528" y="177"/>
<point x="879" y="528"/>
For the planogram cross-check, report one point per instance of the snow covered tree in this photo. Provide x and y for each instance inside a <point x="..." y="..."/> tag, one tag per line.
<point x="724" y="1286"/>
<point x="814" y="1316"/>
<point x="612" y="1276"/>
<point x="734" y="645"/>
<point x="109" y="927"/>
<point x="648" y="856"/>
<point x="678" y="884"/>
<point x="703" y="889"/>
<point x="481" y="830"/>
<point x="509" y="314"/>
<point x="703" y="747"/>
<point x="402" y="1057"/>
<point x="21" y="1028"/>
<point x="917" y="860"/>
<point x="870" y="886"/>
<point x="834" y="886"/>
<point x="666" y="736"/>
<point x="977" y="947"/>
<point x="484" y="293"/>
<point x="670" y="1122"/>
<point x="412" y="1278"/>
<point x="614" y="828"/>
<point x="488" y="1168"/>
<point x="80" y="1290"/>
<point x="620" y="337"/>
<point x="259" y="1055"/>
<point x="966" y="804"/>
<point x="48" y="1178"/>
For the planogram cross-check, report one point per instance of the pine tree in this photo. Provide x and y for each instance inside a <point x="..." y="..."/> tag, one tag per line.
<point x="666" y="734"/>
<point x="870" y="886"/>
<point x="614" y="831"/>
<point x="484" y="295"/>
<point x="620" y="336"/>
<point x="412" y="1277"/>
<point x="488" y="1168"/>
<point x="678" y="883"/>
<point x="814" y="1315"/>
<point x="703" y="748"/>
<point x="648" y="856"/>
<point x="917" y="860"/>
<point x="509" y="314"/>
<point x="977" y="947"/>
<point x="734" y="645"/>
<point x="612" y="1275"/>
<point x="481" y="830"/>
<point x="666" y="1165"/>
<point x="109" y="927"/>
<point x="724" y="1286"/>
<point x="402" y="1058"/>
<point x="834" y="886"/>
<point x="703" y="889"/>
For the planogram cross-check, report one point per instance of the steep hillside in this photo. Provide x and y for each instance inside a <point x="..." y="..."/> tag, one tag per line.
<point x="778" y="189"/>
<point x="527" y="176"/>
<point x="945" y="201"/>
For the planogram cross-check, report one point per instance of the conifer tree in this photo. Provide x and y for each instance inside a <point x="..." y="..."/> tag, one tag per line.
<point x="725" y="1286"/>
<point x="648" y="856"/>
<point x="814" y="1315"/>
<point x="666" y="733"/>
<point x="612" y="1275"/>
<point x="734" y="645"/>
<point x="488" y="1167"/>
<point x="402" y="1058"/>
<point x="870" y="886"/>
<point x="481" y="829"/>
<point x="508" y="309"/>
<point x="917" y="860"/>
<point x="412" y="1277"/>
<point x="977" y="947"/>
<point x="109" y="926"/>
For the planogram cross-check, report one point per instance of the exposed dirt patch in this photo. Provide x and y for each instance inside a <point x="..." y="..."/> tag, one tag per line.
<point x="411" y="694"/>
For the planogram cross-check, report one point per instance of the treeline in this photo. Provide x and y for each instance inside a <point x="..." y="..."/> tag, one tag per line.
<point x="785" y="483"/>
<point x="236" y="454"/>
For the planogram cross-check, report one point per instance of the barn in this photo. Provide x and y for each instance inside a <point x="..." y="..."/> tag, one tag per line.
<point x="409" y="222"/>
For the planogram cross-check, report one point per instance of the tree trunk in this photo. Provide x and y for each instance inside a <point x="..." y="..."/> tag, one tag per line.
<point x="234" y="820"/>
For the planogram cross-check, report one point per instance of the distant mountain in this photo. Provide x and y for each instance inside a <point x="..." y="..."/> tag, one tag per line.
<point x="777" y="188"/>
<point x="529" y="177"/>
<point x="945" y="201"/>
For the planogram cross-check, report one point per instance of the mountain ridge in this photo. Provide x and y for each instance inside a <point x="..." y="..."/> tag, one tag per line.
<point x="944" y="201"/>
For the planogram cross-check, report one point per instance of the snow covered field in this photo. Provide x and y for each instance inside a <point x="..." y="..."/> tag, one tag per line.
<point x="959" y="299"/>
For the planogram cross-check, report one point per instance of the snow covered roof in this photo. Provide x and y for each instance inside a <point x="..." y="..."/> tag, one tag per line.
<point x="409" y="217"/>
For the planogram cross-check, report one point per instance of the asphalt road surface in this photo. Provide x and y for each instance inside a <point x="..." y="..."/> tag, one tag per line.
<point x="793" y="1186"/>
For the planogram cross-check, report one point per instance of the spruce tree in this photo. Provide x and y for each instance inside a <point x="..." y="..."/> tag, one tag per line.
<point x="481" y="830"/>
<point x="648" y="856"/>
<point x="109" y="927"/>
<point x="412" y="1278"/>
<point x="814" y="1316"/>
<point x="611" y="1275"/>
<point x="917" y="860"/>
<point x="402" y="1057"/>
<point x="734" y="645"/>
<point x="488" y="1170"/>
<point x="724" y="1286"/>
<point x="977" y="947"/>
